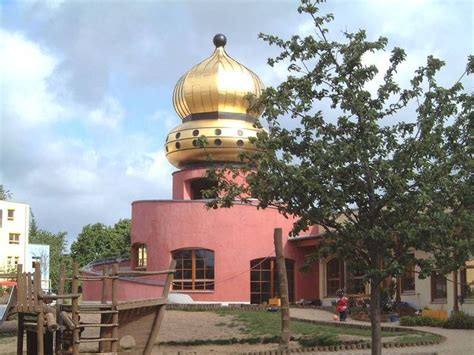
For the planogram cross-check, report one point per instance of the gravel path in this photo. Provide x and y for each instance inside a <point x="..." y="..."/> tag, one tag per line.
<point x="180" y="325"/>
<point x="458" y="341"/>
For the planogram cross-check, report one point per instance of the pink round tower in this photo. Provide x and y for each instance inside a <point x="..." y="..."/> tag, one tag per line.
<point x="223" y="255"/>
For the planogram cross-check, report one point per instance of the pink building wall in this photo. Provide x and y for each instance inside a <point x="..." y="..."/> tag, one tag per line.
<point x="127" y="290"/>
<point x="237" y="235"/>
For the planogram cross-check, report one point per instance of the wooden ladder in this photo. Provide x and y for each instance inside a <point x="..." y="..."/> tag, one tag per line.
<point x="69" y="316"/>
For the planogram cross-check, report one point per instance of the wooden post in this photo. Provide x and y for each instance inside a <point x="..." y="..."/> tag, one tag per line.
<point x="103" y="300"/>
<point x="398" y="295"/>
<point x="455" y="291"/>
<point x="104" y="296"/>
<point x="161" y="313"/>
<point x="59" y="302"/>
<point x="115" y="316"/>
<point x="40" y="320"/>
<point x="19" y="339"/>
<point x="285" y="307"/>
<point x="75" y="308"/>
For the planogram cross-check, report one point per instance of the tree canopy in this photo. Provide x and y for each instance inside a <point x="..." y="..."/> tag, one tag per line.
<point x="97" y="241"/>
<point x="57" y="248"/>
<point x="336" y="154"/>
<point x="5" y="194"/>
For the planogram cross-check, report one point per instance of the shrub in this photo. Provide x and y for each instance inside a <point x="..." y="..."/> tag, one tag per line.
<point x="420" y="321"/>
<point x="319" y="340"/>
<point x="357" y="310"/>
<point x="459" y="320"/>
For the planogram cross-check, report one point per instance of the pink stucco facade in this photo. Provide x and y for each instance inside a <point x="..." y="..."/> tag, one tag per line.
<point x="236" y="235"/>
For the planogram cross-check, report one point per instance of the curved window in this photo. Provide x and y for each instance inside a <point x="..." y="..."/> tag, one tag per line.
<point x="140" y="256"/>
<point x="264" y="281"/>
<point x="194" y="270"/>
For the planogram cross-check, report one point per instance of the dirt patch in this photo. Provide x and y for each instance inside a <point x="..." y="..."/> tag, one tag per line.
<point x="179" y="326"/>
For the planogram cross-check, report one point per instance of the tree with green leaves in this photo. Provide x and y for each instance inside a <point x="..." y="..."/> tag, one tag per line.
<point x="97" y="241"/>
<point x="57" y="248"/>
<point x="5" y="194"/>
<point x="378" y="189"/>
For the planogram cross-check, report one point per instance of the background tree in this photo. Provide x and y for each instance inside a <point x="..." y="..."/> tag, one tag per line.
<point x="378" y="189"/>
<point x="57" y="247"/>
<point x="5" y="194"/>
<point x="33" y="225"/>
<point x="97" y="241"/>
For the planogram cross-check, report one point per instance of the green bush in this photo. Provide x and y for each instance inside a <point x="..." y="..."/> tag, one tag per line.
<point x="357" y="310"/>
<point x="421" y="321"/>
<point x="459" y="320"/>
<point x="319" y="340"/>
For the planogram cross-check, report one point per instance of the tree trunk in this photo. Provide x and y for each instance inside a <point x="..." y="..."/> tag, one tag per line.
<point x="455" y="292"/>
<point x="398" y="295"/>
<point x="375" y="290"/>
<point x="285" y="307"/>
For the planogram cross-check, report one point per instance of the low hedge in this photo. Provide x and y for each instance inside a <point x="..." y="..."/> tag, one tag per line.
<point x="319" y="340"/>
<point x="421" y="321"/>
<point x="457" y="320"/>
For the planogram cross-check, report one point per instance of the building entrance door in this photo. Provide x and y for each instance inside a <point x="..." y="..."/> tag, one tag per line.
<point x="264" y="281"/>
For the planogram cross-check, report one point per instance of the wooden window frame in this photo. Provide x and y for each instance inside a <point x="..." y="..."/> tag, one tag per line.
<point x="208" y="284"/>
<point x="344" y="280"/>
<point x="141" y="255"/>
<point x="11" y="214"/>
<point x="340" y="279"/>
<point x="404" y="283"/>
<point x="14" y="238"/>
<point x="435" y="278"/>
<point x="256" y="267"/>
<point x="464" y="282"/>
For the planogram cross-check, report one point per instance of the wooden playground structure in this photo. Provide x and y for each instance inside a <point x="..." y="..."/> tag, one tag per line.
<point x="59" y="329"/>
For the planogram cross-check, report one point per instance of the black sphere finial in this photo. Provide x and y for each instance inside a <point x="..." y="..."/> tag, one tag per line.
<point x="219" y="40"/>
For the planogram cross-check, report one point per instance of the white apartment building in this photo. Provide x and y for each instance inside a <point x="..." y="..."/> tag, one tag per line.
<point x="14" y="233"/>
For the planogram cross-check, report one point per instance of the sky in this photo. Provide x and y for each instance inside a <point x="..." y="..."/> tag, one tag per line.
<point x="86" y="85"/>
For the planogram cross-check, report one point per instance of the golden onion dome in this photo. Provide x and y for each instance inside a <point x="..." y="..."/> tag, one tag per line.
<point x="211" y="100"/>
<point x="217" y="85"/>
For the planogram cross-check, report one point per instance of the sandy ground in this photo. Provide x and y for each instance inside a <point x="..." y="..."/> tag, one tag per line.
<point x="180" y="325"/>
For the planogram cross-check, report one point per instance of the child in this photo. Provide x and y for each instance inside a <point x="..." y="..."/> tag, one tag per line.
<point x="341" y="305"/>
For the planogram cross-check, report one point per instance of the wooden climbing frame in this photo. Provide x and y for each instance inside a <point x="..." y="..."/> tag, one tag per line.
<point x="140" y="319"/>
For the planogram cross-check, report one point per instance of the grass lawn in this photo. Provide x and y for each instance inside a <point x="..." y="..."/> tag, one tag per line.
<point x="269" y="323"/>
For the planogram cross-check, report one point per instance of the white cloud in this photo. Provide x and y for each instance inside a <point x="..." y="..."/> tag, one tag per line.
<point x="168" y="119"/>
<point x="110" y="114"/>
<point x="24" y="89"/>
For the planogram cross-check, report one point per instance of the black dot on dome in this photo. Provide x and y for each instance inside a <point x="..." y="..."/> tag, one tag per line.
<point x="240" y="142"/>
<point x="195" y="132"/>
<point x="178" y="135"/>
<point x="217" y="142"/>
<point x="218" y="132"/>
<point x="219" y="40"/>
<point x="195" y="143"/>
<point x="178" y="145"/>
<point x="240" y="132"/>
